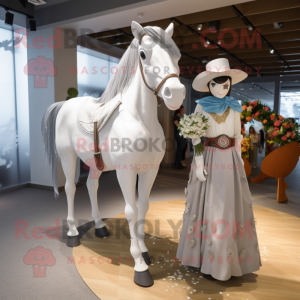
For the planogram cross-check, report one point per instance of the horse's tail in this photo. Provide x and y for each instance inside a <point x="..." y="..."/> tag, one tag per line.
<point x="48" y="133"/>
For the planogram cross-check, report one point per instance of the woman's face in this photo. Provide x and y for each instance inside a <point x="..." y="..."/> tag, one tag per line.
<point x="182" y="111"/>
<point x="219" y="90"/>
<point x="251" y="130"/>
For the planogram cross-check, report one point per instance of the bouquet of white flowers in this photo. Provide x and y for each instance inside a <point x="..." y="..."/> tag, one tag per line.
<point x="192" y="127"/>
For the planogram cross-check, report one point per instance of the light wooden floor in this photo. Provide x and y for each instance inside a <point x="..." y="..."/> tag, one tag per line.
<point x="106" y="265"/>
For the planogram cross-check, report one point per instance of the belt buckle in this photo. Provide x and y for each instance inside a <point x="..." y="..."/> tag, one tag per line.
<point x="223" y="141"/>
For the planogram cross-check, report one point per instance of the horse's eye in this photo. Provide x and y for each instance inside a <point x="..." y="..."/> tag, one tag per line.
<point x="213" y="84"/>
<point x="142" y="54"/>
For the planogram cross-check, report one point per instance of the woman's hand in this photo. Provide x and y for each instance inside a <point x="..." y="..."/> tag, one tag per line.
<point x="200" y="171"/>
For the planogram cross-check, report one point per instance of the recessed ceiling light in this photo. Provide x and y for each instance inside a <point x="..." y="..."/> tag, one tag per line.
<point x="214" y="26"/>
<point x="242" y="89"/>
<point x="204" y="59"/>
<point x="199" y="26"/>
<point x="278" y="25"/>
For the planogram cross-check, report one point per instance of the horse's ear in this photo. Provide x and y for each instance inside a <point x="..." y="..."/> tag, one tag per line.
<point x="136" y="29"/>
<point x="170" y="30"/>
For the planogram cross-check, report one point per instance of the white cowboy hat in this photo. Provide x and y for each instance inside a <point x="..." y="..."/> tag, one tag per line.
<point x="216" y="68"/>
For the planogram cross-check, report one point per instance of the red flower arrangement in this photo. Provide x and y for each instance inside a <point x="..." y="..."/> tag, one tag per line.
<point x="280" y="130"/>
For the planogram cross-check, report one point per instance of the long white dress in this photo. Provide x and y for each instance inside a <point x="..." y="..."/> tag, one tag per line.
<point x="218" y="233"/>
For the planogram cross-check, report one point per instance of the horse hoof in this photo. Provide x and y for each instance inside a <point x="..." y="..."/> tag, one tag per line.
<point x="102" y="232"/>
<point x="143" y="279"/>
<point x="146" y="258"/>
<point x="73" y="241"/>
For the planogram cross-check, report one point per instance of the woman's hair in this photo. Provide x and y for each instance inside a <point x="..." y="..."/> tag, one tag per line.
<point x="252" y="128"/>
<point x="220" y="80"/>
<point x="177" y="111"/>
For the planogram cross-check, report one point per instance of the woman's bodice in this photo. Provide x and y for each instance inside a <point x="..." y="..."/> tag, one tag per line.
<point x="231" y="126"/>
<point x="254" y="138"/>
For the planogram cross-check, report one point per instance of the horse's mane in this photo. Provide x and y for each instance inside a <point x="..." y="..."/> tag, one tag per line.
<point x="129" y="62"/>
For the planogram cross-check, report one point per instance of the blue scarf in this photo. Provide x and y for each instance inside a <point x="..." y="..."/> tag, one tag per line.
<point x="212" y="104"/>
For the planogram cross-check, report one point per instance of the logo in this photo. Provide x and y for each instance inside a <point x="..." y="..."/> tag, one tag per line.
<point x="40" y="68"/>
<point x="39" y="258"/>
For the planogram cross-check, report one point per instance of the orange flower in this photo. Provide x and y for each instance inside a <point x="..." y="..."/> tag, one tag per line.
<point x="248" y="118"/>
<point x="280" y="117"/>
<point x="244" y="107"/>
<point x="265" y="121"/>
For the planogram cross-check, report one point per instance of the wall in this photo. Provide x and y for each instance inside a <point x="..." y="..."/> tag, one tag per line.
<point x="14" y="123"/>
<point x="45" y="90"/>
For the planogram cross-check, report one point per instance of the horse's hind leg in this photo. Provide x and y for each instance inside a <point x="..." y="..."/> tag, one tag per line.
<point x="92" y="185"/>
<point x="145" y="184"/>
<point x="68" y="160"/>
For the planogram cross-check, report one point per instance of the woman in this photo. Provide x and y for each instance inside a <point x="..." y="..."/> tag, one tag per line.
<point x="180" y="141"/>
<point x="218" y="233"/>
<point x="254" y="145"/>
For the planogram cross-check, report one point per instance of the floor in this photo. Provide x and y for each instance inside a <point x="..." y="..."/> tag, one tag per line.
<point x="26" y="214"/>
<point x="107" y="269"/>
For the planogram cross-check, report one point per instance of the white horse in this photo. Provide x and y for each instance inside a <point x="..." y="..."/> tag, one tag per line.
<point x="144" y="67"/>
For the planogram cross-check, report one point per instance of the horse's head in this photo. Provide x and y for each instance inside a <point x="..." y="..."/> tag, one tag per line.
<point x="159" y="57"/>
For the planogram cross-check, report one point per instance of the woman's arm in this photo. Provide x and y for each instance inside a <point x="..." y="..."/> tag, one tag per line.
<point x="237" y="133"/>
<point x="176" y="123"/>
<point x="237" y="127"/>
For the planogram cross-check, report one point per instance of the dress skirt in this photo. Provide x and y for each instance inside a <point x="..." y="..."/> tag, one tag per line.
<point x="218" y="233"/>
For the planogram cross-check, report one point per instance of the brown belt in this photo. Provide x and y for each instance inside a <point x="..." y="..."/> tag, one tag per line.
<point x="97" y="155"/>
<point x="221" y="142"/>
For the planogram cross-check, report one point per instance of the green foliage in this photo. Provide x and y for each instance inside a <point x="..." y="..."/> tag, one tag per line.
<point x="73" y="93"/>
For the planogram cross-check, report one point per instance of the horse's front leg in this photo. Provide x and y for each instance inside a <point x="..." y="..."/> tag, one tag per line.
<point x="127" y="180"/>
<point x="145" y="184"/>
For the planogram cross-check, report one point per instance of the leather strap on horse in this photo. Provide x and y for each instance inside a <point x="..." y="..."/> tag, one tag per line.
<point x="156" y="91"/>
<point x="97" y="155"/>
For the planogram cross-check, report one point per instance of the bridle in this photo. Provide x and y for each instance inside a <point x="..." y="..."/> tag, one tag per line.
<point x="156" y="91"/>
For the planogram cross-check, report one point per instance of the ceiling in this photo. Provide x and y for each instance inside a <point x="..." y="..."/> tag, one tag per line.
<point x="93" y="15"/>
<point x="262" y="14"/>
